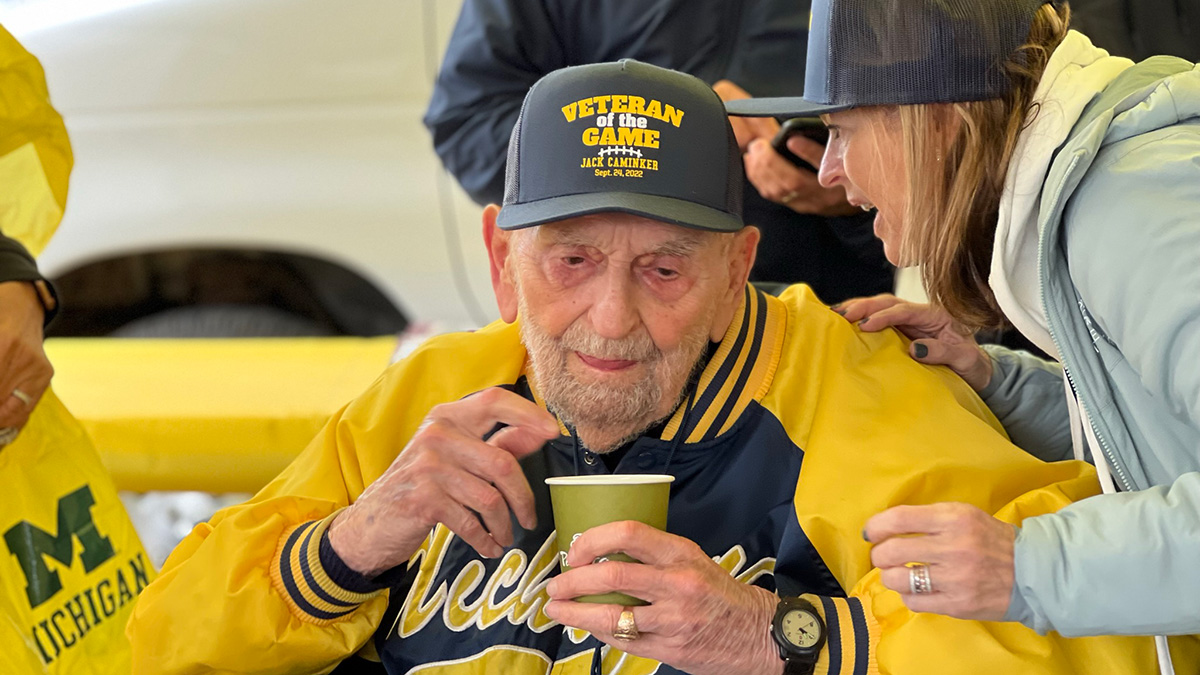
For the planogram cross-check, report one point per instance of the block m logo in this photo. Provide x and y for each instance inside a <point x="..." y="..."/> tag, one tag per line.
<point x="32" y="545"/>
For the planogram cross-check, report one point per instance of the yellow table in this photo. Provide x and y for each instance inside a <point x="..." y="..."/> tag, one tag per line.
<point x="214" y="415"/>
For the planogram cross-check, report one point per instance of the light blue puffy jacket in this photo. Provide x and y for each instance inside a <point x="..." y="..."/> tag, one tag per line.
<point x="1119" y="228"/>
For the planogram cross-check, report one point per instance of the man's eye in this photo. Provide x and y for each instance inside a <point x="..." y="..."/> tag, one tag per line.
<point x="666" y="273"/>
<point x="574" y="260"/>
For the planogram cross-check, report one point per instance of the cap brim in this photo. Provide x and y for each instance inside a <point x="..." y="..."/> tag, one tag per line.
<point x="665" y="209"/>
<point x="790" y="106"/>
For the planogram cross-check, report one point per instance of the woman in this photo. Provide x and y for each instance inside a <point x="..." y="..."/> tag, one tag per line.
<point x="1058" y="192"/>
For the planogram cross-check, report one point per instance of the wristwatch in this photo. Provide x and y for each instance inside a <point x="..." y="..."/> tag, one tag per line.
<point x="799" y="632"/>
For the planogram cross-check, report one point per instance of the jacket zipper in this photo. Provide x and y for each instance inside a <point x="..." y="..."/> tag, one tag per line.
<point x="1096" y="334"/>
<point x="1104" y="448"/>
<point x="1103" y="445"/>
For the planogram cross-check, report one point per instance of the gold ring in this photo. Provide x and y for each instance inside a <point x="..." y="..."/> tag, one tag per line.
<point x="626" y="626"/>
<point x="790" y="196"/>
<point x="22" y="397"/>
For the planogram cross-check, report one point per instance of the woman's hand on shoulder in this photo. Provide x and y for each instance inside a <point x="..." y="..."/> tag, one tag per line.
<point x="937" y="338"/>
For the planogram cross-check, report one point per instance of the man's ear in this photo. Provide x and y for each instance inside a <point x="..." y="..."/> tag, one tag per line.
<point x="743" y="250"/>
<point x="500" y="257"/>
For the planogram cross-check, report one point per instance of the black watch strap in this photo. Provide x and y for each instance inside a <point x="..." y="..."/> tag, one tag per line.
<point x="797" y="667"/>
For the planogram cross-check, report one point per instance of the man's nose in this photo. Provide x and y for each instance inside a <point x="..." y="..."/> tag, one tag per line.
<point x="614" y="314"/>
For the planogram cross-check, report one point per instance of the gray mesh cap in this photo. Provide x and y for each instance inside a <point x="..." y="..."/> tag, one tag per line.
<point x="903" y="52"/>
<point x="627" y="137"/>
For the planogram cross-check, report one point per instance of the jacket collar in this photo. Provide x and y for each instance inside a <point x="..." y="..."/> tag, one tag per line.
<point x="738" y="373"/>
<point x="1075" y="76"/>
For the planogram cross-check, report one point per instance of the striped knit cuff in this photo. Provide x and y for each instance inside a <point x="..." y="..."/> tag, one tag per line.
<point x="342" y="575"/>
<point x="310" y="589"/>
<point x="852" y="636"/>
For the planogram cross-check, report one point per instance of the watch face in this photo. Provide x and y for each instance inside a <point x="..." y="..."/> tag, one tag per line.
<point x="802" y="628"/>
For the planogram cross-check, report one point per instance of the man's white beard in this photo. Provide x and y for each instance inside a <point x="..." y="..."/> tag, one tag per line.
<point x="607" y="415"/>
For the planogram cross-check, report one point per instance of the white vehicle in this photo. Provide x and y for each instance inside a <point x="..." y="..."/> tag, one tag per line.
<point x="253" y="167"/>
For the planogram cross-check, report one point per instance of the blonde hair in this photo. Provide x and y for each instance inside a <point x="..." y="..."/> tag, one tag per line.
<point x="953" y="207"/>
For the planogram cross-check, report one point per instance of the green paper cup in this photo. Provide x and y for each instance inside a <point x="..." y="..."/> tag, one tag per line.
<point x="583" y="502"/>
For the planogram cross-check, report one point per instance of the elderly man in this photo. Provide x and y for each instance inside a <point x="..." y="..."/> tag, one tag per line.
<point x="415" y="532"/>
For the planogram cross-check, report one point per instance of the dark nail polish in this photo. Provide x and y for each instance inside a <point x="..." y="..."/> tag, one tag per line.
<point x="865" y="535"/>
<point x="864" y="321"/>
<point x="839" y="310"/>
<point x="920" y="350"/>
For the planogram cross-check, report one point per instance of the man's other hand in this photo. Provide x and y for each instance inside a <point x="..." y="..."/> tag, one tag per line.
<point x="448" y="474"/>
<point x="700" y="619"/>
<point x="27" y="371"/>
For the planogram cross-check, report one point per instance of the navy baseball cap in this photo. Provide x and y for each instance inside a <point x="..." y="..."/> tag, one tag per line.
<point x="903" y="52"/>
<point x="624" y="136"/>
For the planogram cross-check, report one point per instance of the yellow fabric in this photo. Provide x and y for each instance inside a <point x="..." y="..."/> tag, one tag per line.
<point x="880" y="430"/>
<point x="213" y="415"/>
<point x="876" y="428"/>
<point x="221" y="573"/>
<point x="313" y="591"/>
<point x="52" y="479"/>
<point x="35" y="154"/>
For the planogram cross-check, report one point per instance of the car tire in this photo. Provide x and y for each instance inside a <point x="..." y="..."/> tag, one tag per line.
<point x="222" y="321"/>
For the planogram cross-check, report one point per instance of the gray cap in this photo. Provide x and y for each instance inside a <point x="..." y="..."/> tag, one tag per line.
<point x="903" y="52"/>
<point x="626" y="137"/>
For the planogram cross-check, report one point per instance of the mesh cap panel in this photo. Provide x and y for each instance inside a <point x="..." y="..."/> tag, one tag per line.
<point x="512" y="179"/>
<point x="903" y="52"/>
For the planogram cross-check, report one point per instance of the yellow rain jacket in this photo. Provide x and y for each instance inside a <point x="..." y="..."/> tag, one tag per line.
<point x="71" y="563"/>
<point x="35" y="155"/>
<point x="35" y="165"/>
<point x="800" y="428"/>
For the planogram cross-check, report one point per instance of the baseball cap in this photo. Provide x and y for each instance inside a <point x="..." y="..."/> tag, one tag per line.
<point x="624" y="136"/>
<point x="903" y="52"/>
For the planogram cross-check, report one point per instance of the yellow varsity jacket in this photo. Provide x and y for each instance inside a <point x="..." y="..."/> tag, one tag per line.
<point x="801" y="428"/>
